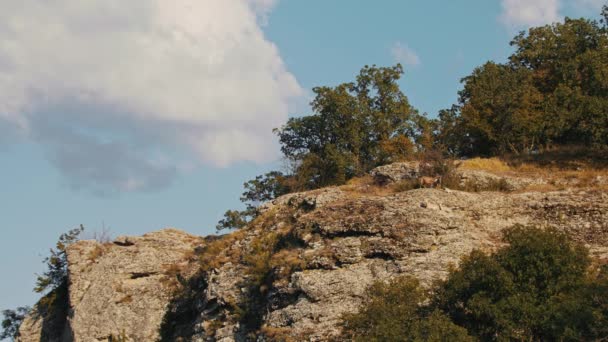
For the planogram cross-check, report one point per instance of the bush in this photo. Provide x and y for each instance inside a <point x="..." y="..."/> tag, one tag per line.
<point x="535" y="289"/>
<point x="235" y="219"/>
<point x="12" y="321"/>
<point x="393" y="312"/>
<point x="539" y="288"/>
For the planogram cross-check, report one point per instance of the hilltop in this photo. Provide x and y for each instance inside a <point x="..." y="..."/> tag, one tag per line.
<point x="309" y="257"/>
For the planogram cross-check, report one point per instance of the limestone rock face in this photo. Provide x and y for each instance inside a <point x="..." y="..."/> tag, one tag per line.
<point x="395" y="172"/>
<point x="306" y="261"/>
<point x="120" y="289"/>
<point x="356" y="239"/>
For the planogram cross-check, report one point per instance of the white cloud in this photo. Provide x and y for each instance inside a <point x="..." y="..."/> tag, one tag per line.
<point x="526" y="13"/>
<point x="110" y="87"/>
<point x="262" y="8"/>
<point x="404" y="54"/>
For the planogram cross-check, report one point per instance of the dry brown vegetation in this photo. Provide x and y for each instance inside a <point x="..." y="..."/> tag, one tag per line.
<point x="217" y="252"/>
<point x="96" y="252"/>
<point x="277" y="334"/>
<point x="560" y="168"/>
<point x="567" y="171"/>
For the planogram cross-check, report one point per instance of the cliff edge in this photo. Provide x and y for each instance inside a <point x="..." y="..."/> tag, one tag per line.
<point x="306" y="260"/>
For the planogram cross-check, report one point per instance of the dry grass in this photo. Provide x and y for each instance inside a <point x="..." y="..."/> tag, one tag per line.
<point x="96" y="253"/>
<point x="561" y="168"/>
<point x="405" y="185"/>
<point x="485" y="164"/>
<point x="365" y="186"/>
<point x="585" y="175"/>
<point x="287" y="261"/>
<point x="172" y="272"/>
<point x="277" y="334"/>
<point x="217" y="252"/>
<point x="563" y="157"/>
<point x="540" y="188"/>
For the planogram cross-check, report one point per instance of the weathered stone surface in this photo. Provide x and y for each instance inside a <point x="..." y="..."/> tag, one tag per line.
<point x="355" y="240"/>
<point x="485" y="180"/>
<point x="395" y="172"/>
<point x="339" y="241"/>
<point x="120" y="289"/>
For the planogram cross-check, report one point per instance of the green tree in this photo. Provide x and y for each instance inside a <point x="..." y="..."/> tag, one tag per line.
<point x="265" y="188"/>
<point x="553" y="90"/>
<point x="12" y="321"/>
<point x="54" y="284"/>
<point x="448" y="135"/>
<point x="57" y="264"/>
<point x="501" y="110"/>
<point x="257" y="191"/>
<point x="355" y="127"/>
<point x="569" y="63"/>
<point x="537" y="288"/>
<point x="235" y="219"/>
<point x="393" y="311"/>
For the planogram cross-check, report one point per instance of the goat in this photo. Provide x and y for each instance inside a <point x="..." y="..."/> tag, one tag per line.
<point x="430" y="182"/>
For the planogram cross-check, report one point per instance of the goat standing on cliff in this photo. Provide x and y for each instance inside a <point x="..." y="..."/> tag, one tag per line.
<point x="430" y="182"/>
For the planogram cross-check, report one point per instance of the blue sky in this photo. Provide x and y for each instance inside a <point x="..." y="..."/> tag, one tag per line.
<point x="152" y="144"/>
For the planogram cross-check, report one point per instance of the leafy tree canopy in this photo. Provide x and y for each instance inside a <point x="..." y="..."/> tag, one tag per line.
<point x="355" y="127"/>
<point x="538" y="288"/>
<point x="553" y="90"/>
<point x="393" y="312"/>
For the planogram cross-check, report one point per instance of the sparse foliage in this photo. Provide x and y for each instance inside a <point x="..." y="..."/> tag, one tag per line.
<point x="235" y="219"/>
<point x="264" y="188"/>
<point x="12" y="321"/>
<point x="257" y="191"/>
<point x="56" y="273"/>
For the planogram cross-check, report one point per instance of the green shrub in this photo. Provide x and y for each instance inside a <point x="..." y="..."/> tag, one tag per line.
<point x="537" y="288"/>
<point x="393" y="312"/>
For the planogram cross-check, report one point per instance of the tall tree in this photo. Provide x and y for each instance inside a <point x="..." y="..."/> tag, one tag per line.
<point x="553" y="90"/>
<point x="355" y="127"/>
<point x="501" y="109"/>
<point x="569" y="65"/>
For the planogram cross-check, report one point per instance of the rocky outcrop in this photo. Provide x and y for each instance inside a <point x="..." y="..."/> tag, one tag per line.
<point x="466" y="179"/>
<point x="307" y="260"/>
<point x="120" y="288"/>
<point x="396" y="172"/>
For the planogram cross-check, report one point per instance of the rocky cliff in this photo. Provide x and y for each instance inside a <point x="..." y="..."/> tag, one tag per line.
<point x="306" y="260"/>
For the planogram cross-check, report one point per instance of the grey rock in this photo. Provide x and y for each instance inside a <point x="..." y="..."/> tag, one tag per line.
<point x="343" y="242"/>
